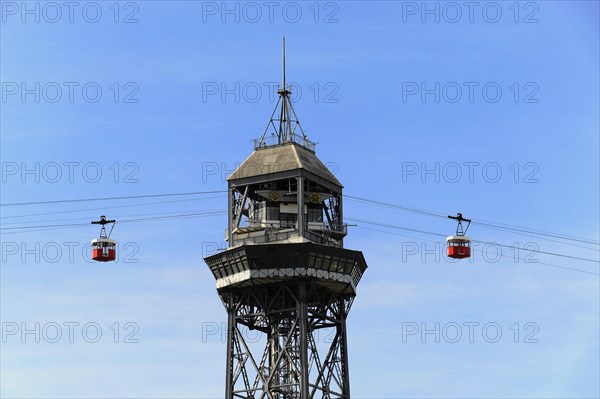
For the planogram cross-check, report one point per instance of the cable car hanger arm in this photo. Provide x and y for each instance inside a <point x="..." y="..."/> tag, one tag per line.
<point x="459" y="229"/>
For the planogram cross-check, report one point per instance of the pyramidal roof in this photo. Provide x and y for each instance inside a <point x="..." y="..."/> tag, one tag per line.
<point x="285" y="150"/>
<point x="282" y="158"/>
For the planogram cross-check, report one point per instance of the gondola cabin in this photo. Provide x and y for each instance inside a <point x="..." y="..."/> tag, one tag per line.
<point x="459" y="247"/>
<point x="104" y="250"/>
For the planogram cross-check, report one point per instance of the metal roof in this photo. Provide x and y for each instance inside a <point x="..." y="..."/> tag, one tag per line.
<point x="282" y="158"/>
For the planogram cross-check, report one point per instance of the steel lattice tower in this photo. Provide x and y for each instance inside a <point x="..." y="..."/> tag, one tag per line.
<point x="286" y="280"/>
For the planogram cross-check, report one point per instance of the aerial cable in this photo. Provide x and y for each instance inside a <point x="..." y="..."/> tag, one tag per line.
<point x="481" y="251"/>
<point x="517" y="229"/>
<point x="217" y="212"/>
<point x="483" y="224"/>
<point x="113" y="198"/>
<point x="110" y="207"/>
<point x="77" y="219"/>
<point x="483" y="242"/>
<point x="175" y="216"/>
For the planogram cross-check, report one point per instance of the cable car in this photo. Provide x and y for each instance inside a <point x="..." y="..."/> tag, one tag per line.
<point x="104" y="249"/>
<point x="459" y="245"/>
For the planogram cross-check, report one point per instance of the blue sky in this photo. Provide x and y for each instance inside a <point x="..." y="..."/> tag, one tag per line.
<point x="193" y="90"/>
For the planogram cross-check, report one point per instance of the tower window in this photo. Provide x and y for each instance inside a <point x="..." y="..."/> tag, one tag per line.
<point x="315" y="214"/>
<point x="288" y="219"/>
<point x="272" y="213"/>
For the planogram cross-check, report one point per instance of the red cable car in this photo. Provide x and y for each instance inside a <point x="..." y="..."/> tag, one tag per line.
<point x="459" y="245"/>
<point x="104" y="249"/>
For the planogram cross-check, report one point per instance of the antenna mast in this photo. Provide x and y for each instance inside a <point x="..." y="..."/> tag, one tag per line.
<point x="285" y="131"/>
<point x="284" y="63"/>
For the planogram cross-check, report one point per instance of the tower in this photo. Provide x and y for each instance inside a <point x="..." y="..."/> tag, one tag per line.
<point x="286" y="280"/>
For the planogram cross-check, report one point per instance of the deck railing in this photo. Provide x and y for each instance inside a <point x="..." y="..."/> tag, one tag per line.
<point x="271" y="141"/>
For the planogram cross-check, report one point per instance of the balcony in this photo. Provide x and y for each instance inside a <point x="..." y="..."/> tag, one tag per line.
<point x="272" y="141"/>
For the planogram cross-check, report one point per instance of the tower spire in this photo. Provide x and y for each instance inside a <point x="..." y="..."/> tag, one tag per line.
<point x="286" y="126"/>
<point x="284" y="62"/>
<point x="285" y="129"/>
